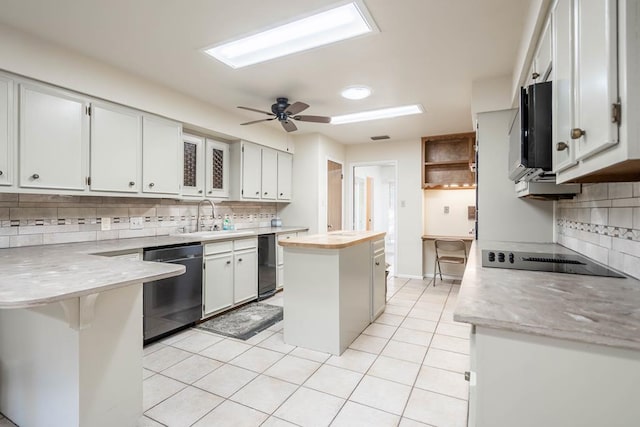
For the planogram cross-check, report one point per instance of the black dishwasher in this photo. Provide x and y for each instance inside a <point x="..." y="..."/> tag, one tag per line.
<point x="175" y="302"/>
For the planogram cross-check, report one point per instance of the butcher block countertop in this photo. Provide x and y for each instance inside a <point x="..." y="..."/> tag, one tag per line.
<point x="333" y="240"/>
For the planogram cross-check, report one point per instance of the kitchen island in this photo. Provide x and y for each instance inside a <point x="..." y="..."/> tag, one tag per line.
<point x="335" y="287"/>
<point x="550" y="348"/>
<point x="71" y="328"/>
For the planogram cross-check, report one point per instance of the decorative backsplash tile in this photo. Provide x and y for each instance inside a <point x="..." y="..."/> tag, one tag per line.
<point x="603" y="223"/>
<point x="28" y="219"/>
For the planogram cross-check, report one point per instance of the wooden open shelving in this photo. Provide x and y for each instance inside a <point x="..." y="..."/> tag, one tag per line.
<point x="448" y="161"/>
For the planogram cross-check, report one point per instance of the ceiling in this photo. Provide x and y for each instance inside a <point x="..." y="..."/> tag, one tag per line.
<point x="427" y="52"/>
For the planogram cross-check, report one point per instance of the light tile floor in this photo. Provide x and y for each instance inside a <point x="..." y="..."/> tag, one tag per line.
<point x="406" y="369"/>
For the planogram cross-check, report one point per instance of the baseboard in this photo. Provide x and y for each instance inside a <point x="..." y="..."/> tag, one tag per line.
<point x="408" y="276"/>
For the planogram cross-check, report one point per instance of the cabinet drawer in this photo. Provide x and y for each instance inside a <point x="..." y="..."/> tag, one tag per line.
<point x="249" y="243"/>
<point x="378" y="246"/>
<point x="218" y="247"/>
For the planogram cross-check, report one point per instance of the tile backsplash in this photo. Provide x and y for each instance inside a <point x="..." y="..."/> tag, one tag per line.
<point x="603" y="223"/>
<point x="34" y="219"/>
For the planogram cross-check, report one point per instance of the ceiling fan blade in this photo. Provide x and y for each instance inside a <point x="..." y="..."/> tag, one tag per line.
<point x="257" y="111"/>
<point x="257" y="121"/>
<point x="315" y="119"/>
<point x="296" y="107"/>
<point x="288" y="126"/>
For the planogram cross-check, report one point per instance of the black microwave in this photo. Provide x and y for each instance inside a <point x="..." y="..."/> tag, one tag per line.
<point x="530" y="155"/>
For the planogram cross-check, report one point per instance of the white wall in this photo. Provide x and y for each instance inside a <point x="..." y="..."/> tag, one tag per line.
<point x="501" y="215"/>
<point x="38" y="59"/>
<point x="407" y="154"/>
<point x="454" y="223"/>
<point x="309" y="205"/>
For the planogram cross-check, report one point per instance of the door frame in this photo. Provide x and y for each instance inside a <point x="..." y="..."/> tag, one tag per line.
<point x="324" y="217"/>
<point x="350" y="197"/>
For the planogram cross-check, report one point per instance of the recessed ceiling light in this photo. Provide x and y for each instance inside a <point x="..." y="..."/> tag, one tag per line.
<point x="356" y="92"/>
<point x="383" y="113"/>
<point x="340" y="23"/>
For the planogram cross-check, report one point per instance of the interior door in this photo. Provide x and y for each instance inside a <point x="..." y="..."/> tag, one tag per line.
<point x="334" y="196"/>
<point x="369" y="203"/>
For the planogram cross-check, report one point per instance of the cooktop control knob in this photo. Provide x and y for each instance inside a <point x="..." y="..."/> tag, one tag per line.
<point x="511" y="258"/>
<point x="492" y="256"/>
<point x="500" y="256"/>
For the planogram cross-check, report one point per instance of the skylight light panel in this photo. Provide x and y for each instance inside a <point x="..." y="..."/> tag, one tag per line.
<point x="323" y="28"/>
<point x="383" y="113"/>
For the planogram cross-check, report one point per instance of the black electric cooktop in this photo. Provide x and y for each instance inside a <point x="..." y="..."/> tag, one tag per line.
<point x="550" y="262"/>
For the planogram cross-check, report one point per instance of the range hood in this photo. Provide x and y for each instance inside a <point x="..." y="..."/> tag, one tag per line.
<point x="546" y="190"/>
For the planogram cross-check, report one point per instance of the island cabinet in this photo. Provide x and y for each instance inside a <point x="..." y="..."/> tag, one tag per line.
<point x="378" y="279"/>
<point x="230" y="274"/>
<point x="329" y="296"/>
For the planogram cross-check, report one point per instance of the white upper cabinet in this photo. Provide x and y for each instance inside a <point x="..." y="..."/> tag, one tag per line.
<point x="161" y="155"/>
<point x="217" y="175"/>
<point x="7" y="121"/>
<point x="562" y="86"/>
<point x="285" y="170"/>
<point x="116" y="138"/>
<point x="251" y="171"/>
<point x="541" y="65"/>
<point x="193" y="166"/>
<point x="260" y="173"/>
<point x="269" y="174"/>
<point x="596" y="112"/>
<point x="596" y="72"/>
<point x="54" y="135"/>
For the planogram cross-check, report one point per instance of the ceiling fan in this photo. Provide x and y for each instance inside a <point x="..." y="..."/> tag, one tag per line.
<point x="285" y="112"/>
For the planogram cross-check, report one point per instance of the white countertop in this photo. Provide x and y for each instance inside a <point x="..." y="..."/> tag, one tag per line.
<point x="332" y="240"/>
<point x="37" y="275"/>
<point x="591" y="309"/>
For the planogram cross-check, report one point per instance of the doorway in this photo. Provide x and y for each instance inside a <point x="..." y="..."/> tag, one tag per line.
<point x="374" y="203"/>
<point x="334" y="195"/>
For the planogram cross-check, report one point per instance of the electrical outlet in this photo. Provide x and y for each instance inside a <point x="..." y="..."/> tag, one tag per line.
<point x="105" y="224"/>
<point x="446" y="209"/>
<point x="136" y="223"/>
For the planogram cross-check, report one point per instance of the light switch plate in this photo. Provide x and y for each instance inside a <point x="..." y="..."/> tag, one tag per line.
<point x="105" y="224"/>
<point x="446" y="209"/>
<point x="136" y="223"/>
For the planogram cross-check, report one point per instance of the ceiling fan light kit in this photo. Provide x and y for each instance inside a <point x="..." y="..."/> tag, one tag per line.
<point x="329" y="26"/>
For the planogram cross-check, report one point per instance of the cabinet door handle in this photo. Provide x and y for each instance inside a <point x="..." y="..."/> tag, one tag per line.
<point x="560" y="146"/>
<point x="151" y="184"/>
<point x="210" y="191"/>
<point x="282" y="194"/>
<point x="1" y="173"/>
<point x="577" y="133"/>
<point x="265" y="193"/>
<point x="199" y="191"/>
<point x="228" y="262"/>
<point x="377" y="262"/>
<point x="535" y="75"/>
<point x="132" y="183"/>
<point x="239" y="259"/>
<point x="257" y="193"/>
<point x="35" y="176"/>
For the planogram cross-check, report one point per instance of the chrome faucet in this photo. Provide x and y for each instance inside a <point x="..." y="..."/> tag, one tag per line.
<point x="213" y="214"/>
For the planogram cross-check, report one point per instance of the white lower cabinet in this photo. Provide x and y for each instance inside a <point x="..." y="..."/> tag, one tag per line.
<point x="378" y="280"/>
<point x="280" y="258"/>
<point x="230" y="274"/>
<point x="523" y="380"/>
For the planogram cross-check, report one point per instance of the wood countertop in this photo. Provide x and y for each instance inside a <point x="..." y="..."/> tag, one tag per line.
<point x="333" y="240"/>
